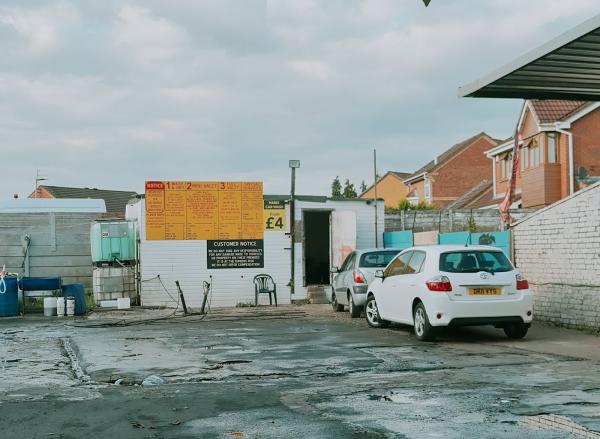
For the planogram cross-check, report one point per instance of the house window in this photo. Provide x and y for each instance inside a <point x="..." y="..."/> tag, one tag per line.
<point x="427" y="190"/>
<point x="524" y="158"/>
<point x="552" y="148"/>
<point x="534" y="159"/>
<point x="506" y="168"/>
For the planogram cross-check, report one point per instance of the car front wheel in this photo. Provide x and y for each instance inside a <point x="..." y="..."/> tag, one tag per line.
<point x="354" y="310"/>
<point x="423" y="329"/>
<point x="372" y="314"/>
<point x="335" y="305"/>
<point x="516" y="330"/>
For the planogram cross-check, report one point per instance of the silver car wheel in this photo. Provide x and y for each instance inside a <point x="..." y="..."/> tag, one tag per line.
<point x="372" y="313"/>
<point x="419" y="322"/>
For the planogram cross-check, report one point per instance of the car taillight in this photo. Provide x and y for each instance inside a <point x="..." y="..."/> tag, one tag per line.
<point x="359" y="278"/>
<point x="439" y="283"/>
<point x="522" y="283"/>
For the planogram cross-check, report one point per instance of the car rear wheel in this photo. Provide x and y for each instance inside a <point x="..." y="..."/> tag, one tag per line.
<point x="335" y="305"/>
<point x="354" y="310"/>
<point x="516" y="330"/>
<point x="423" y="329"/>
<point x="372" y="314"/>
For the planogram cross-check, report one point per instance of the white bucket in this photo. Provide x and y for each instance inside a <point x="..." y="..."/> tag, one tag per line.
<point x="49" y="306"/>
<point x="124" y="303"/>
<point x="60" y="306"/>
<point x="70" y="306"/>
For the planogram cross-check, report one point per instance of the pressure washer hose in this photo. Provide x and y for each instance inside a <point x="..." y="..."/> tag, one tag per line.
<point x="2" y="282"/>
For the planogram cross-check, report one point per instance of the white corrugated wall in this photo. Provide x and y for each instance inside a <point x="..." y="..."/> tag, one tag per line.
<point x="186" y="261"/>
<point x="365" y="230"/>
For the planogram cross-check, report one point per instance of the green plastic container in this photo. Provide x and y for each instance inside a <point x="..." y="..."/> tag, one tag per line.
<point x="113" y="240"/>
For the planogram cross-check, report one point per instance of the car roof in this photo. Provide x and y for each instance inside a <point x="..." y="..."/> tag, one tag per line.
<point x="443" y="248"/>
<point x="369" y="250"/>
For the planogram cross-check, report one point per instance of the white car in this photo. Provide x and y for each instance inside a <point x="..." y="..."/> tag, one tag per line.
<point x="350" y="282"/>
<point x="450" y="285"/>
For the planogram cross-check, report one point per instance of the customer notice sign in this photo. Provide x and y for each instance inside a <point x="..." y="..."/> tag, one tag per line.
<point x="235" y="254"/>
<point x="203" y="210"/>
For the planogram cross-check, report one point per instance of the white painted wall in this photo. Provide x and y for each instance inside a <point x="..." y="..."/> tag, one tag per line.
<point x="558" y="251"/>
<point x="365" y="231"/>
<point x="186" y="261"/>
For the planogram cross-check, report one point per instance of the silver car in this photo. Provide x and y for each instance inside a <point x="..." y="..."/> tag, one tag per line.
<point x="349" y="286"/>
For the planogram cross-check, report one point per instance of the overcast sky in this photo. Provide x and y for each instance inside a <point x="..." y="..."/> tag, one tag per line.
<point x="109" y="94"/>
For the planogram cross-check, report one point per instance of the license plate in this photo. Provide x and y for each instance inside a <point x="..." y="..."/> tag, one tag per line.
<point x="484" y="291"/>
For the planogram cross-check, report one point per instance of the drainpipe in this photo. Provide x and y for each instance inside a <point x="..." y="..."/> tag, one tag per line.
<point x="571" y="159"/>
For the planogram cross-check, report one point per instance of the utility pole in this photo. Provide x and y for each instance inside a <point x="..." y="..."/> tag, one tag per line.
<point x="38" y="178"/>
<point x="375" y="188"/>
<point x="293" y="165"/>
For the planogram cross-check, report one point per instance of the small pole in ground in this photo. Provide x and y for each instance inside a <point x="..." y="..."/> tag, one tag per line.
<point x="185" y="311"/>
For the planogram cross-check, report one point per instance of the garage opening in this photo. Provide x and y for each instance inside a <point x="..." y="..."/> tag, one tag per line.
<point x="316" y="248"/>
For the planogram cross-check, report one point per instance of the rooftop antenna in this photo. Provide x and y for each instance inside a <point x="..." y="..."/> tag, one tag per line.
<point x="38" y="177"/>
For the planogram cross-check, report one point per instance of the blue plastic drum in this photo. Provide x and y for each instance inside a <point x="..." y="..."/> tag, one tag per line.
<point x="9" y="297"/>
<point x="78" y="292"/>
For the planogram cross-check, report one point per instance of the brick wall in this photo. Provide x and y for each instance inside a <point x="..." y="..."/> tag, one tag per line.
<point x="462" y="172"/>
<point x="586" y="143"/>
<point x="390" y="188"/>
<point x="558" y="250"/>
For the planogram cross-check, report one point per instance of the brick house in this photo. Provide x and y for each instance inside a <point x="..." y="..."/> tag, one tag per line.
<point x="447" y="177"/>
<point x="390" y="188"/>
<point x="115" y="201"/>
<point x="559" y="152"/>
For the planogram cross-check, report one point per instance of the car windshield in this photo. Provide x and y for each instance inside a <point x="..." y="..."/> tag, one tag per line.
<point x="474" y="261"/>
<point x="378" y="259"/>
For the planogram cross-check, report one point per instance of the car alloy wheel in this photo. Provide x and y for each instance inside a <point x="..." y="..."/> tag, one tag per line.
<point x="419" y="322"/>
<point x="372" y="314"/>
<point x="423" y="329"/>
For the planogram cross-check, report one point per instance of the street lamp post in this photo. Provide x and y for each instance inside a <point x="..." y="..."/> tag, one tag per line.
<point x="293" y="165"/>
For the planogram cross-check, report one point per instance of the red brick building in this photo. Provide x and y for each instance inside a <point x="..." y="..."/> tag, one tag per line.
<point x="444" y="179"/>
<point x="559" y="152"/>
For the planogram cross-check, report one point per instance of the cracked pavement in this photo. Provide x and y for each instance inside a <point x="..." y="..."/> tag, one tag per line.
<point x="292" y="371"/>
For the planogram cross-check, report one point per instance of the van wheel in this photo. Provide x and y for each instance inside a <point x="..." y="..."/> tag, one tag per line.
<point x="335" y="305"/>
<point x="516" y="331"/>
<point x="423" y="329"/>
<point x="372" y="314"/>
<point x="354" y="310"/>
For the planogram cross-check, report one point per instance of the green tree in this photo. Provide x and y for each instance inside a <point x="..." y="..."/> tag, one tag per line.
<point x="349" y="191"/>
<point x="363" y="187"/>
<point x="336" y="187"/>
<point x="471" y="224"/>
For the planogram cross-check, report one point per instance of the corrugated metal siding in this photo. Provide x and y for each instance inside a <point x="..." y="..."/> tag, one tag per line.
<point x="59" y="246"/>
<point x="365" y="231"/>
<point x="186" y="261"/>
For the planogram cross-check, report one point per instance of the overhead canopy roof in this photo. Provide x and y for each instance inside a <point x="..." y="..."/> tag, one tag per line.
<point x="567" y="67"/>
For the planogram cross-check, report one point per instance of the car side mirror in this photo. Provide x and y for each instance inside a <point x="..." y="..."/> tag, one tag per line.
<point x="335" y="270"/>
<point x="379" y="274"/>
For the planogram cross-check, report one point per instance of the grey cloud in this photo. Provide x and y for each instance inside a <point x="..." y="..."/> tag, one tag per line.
<point x="231" y="89"/>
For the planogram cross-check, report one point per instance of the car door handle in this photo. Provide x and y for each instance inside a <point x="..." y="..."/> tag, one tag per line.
<point x="411" y="285"/>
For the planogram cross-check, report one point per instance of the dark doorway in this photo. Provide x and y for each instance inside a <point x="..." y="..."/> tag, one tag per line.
<point x="316" y="248"/>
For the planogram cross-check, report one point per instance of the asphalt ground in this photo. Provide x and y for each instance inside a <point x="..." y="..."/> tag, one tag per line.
<point x="292" y="371"/>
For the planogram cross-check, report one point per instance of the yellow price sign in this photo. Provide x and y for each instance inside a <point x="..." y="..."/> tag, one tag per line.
<point x="207" y="210"/>
<point x="274" y="215"/>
